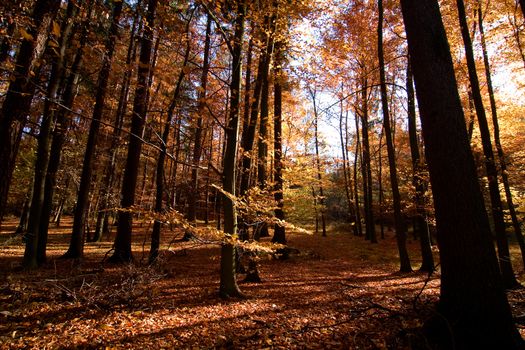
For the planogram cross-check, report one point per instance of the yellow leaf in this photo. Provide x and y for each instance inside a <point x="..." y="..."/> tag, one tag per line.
<point x="56" y="29"/>
<point x="25" y="34"/>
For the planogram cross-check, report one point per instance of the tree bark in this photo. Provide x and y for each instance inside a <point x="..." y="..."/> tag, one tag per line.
<point x="399" y="223"/>
<point x="122" y="246"/>
<point x="370" y="229"/>
<point x="228" y="280"/>
<point x="159" y="181"/>
<point x="21" y="90"/>
<point x="279" y="234"/>
<point x="418" y="181"/>
<point x="473" y="308"/>
<point x="198" y="129"/>
<point x="109" y="175"/>
<point x="490" y="165"/>
<point x="499" y="148"/>
<point x="76" y="246"/>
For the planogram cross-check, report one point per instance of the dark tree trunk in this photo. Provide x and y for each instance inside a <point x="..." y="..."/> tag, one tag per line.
<point x="228" y="283"/>
<point x="418" y="181"/>
<point x="122" y="245"/>
<point x="63" y="121"/>
<point x="318" y="165"/>
<point x="159" y="181"/>
<point x="380" y="183"/>
<point x="36" y="241"/>
<point x="343" y="137"/>
<point x="522" y="5"/>
<point x="356" y="187"/>
<point x="20" y="92"/>
<point x="492" y="174"/>
<point x="399" y="223"/>
<point x="76" y="246"/>
<point x="279" y="235"/>
<point x="198" y="129"/>
<point x="473" y="308"/>
<point x="370" y="229"/>
<point x="248" y="135"/>
<point x="501" y="155"/>
<point x="109" y="175"/>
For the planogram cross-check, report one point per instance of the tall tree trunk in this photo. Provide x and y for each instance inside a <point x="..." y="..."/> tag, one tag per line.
<point x="399" y="223"/>
<point x="356" y="187"/>
<point x="63" y="121"/>
<point x="279" y="235"/>
<point x="501" y="155"/>
<point x="36" y="241"/>
<point x="159" y="181"/>
<point x="473" y="308"/>
<point x="318" y="165"/>
<point x="21" y="90"/>
<point x="370" y="227"/>
<point x="228" y="280"/>
<point x="109" y="175"/>
<point x="380" y="183"/>
<point x="248" y="135"/>
<point x="122" y="245"/>
<point x="418" y="180"/>
<point x="198" y="129"/>
<point x="492" y="174"/>
<point x="76" y="246"/>
<point x="343" y="137"/>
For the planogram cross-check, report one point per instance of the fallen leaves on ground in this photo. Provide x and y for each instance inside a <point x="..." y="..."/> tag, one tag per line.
<point x="337" y="292"/>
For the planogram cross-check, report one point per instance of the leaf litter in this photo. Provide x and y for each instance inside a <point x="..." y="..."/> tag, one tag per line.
<point x="338" y="292"/>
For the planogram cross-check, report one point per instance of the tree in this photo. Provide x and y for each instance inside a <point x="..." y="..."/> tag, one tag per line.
<point x="473" y="307"/>
<point x="122" y="245"/>
<point x="279" y="235"/>
<point x="499" y="148"/>
<point x="490" y="164"/>
<point x="17" y="103"/>
<point x="399" y="223"/>
<point x="228" y="283"/>
<point x="37" y="232"/>
<point x="76" y="246"/>
<point x="418" y="180"/>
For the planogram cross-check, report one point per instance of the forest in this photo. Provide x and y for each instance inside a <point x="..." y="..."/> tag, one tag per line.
<point x="266" y="174"/>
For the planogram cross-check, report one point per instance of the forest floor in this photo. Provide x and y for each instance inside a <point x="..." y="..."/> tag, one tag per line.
<point x="338" y="292"/>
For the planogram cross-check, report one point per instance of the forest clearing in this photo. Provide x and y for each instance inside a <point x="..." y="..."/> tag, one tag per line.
<point x="262" y="174"/>
<point x="337" y="292"/>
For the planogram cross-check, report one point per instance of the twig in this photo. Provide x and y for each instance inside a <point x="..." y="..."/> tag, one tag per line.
<point x="429" y="277"/>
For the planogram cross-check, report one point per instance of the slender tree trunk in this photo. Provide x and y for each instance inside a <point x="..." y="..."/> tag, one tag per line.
<point x="318" y="165"/>
<point x="76" y="246"/>
<point x="370" y="229"/>
<point x="279" y="235"/>
<point x="343" y="136"/>
<point x="155" y="236"/>
<point x="399" y="223"/>
<point x="197" y="131"/>
<point x="109" y="175"/>
<point x="473" y="309"/>
<point x="122" y="245"/>
<point x="492" y="174"/>
<point x="36" y="241"/>
<point x="20" y="92"/>
<point x="356" y="187"/>
<point x="380" y="182"/>
<point x="418" y="180"/>
<point x="228" y="280"/>
<point x="501" y="155"/>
